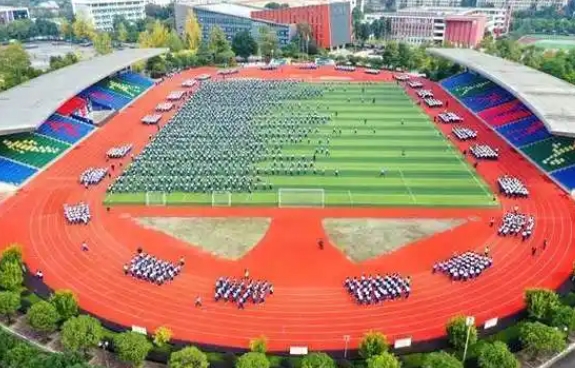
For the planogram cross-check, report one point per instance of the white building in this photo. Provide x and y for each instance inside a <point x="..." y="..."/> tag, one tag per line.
<point x="522" y="4"/>
<point x="9" y="14"/>
<point x="102" y="12"/>
<point x="161" y="2"/>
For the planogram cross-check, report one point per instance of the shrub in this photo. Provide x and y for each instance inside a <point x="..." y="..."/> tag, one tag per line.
<point x="383" y="360"/>
<point x="457" y="333"/>
<point x="9" y="304"/>
<point x="162" y="336"/>
<point x="317" y="360"/>
<point x="66" y="303"/>
<point x="441" y="359"/>
<point x="373" y="343"/>
<point x="80" y="334"/>
<point x="538" y="338"/>
<point x="253" y="360"/>
<point x="497" y="355"/>
<point x="259" y="345"/>
<point x="43" y="317"/>
<point x="132" y="347"/>
<point x="540" y="303"/>
<point x="189" y="357"/>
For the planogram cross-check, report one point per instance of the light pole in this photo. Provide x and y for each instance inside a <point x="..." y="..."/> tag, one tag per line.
<point x="469" y="321"/>
<point x="346" y="339"/>
<point x="104" y="346"/>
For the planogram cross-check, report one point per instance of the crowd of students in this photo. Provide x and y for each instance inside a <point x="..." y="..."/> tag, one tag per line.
<point x="93" y="176"/>
<point x="78" y="213"/>
<point x="370" y="289"/>
<point x="345" y="68"/>
<point x="449" y="117"/>
<point x="242" y="291"/>
<point x="464" y="134"/>
<point x="511" y="186"/>
<point x="515" y="223"/>
<point x="485" y="152"/>
<point x="119" y="152"/>
<point x="463" y="267"/>
<point x="147" y="267"/>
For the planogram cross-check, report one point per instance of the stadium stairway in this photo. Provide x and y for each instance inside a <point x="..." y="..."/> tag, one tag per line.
<point x="65" y="129"/>
<point x="520" y="127"/>
<point x="14" y="173"/>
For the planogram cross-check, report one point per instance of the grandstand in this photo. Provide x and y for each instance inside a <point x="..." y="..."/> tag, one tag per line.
<point x="531" y="110"/>
<point x="41" y="121"/>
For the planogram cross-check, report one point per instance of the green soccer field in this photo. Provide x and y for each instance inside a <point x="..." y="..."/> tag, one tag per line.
<point x="392" y="134"/>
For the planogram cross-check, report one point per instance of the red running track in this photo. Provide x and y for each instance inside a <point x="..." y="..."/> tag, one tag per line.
<point x="309" y="307"/>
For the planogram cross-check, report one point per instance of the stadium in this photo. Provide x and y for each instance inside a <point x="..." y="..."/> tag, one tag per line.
<point x="314" y="164"/>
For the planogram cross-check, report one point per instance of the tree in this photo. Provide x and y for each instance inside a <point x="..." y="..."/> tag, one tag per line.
<point x="21" y="355"/>
<point x="317" y="360"/>
<point x="12" y="253"/>
<point x="174" y="42"/>
<point x="157" y="36"/>
<point x="43" y="317"/>
<point x="244" y="45"/>
<point x="82" y="28"/>
<point x="259" y="345"/>
<point x="162" y="336"/>
<point x="66" y="29"/>
<point x="253" y="360"/>
<point x="192" y="32"/>
<point x="272" y="5"/>
<point x="496" y="355"/>
<point x="373" y="343"/>
<point x="80" y="334"/>
<point x="268" y="42"/>
<point x="11" y="276"/>
<point x="66" y="303"/>
<point x="540" y="303"/>
<point x="383" y="360"/>
<point x="189" y="357"/>
<point x="563" y="317"/>
<point x="441" y="359"/>
<point x="132" y="347"/>
<point x="9" y="304"/>
<point x="14" y="67"/>
<point x="457" y="333"/>
<point x="219" y="46"/>
<point x="537" y="338"/>
<point x="122" y="33"/>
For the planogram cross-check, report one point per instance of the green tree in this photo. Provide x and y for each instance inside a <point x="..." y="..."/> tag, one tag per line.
<point x="174" y="42"/>
<point x="259" y="345"/>
<point x="537" y="338"/>
<point x="188" y="357"/>
<point x="11" y="276"/>
<point x="457" y="333"/>
<point x="244" y="45"/>
<point x="219" y="46"/>
<point x="540" y="303"/>
<point x="272" y="5"/>
<point x="132" y="347"/>
<point x="373" y="343"/>
<point x="156" y="36"/>
<point x="43" y="317"/>
<point x="441" y="359"/>
<point x="383" y="360"/>
<point x="267" y="42"/>
<point x="391" y="54"/>
<point x="12" y="253"/>
<point x="102" y="43"/>
<point x="21" y="355"/>
<point x="9" y="304"/>
<point x="66" y="303"/>
<point x="192" y="32"/>
<point x="83" y="28"/>
<point x="14" y="66"/>
<point x="496" y="355"/>
<point x="253" y="360"/>
<point x="317" y="360"/>
<point x="162" y="336"/>
<point x="122" y="33"/>
<point x="80" y="334"/>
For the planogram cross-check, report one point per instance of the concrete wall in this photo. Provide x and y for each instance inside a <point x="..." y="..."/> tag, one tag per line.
<point x="340" y="22"/>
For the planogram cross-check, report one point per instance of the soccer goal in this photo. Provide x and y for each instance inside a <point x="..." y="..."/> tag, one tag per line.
<point x="155" y="198"/>
<point x="290" y="197"/>
<point x="221" y="199"/>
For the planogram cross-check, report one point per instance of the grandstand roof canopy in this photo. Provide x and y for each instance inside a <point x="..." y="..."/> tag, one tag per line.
<point x="551" y="99"/>
<point x="26" y="106"/>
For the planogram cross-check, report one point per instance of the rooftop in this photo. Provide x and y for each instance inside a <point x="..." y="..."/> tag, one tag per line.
<point x="6" y="8"/>
<point x="26" y="106"/>
<point x="237" y="10"/>
<point x="549" y="98"/>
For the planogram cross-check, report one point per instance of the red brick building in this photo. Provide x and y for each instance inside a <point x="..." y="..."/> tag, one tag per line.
<point x="330" y="23"/>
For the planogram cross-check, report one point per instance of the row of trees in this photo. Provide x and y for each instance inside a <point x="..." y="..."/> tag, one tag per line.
<point x="25" y="29"/>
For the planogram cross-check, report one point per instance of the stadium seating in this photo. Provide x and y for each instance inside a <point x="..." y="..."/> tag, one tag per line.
<point x="524" y="131"/>
<point x="106" y="97"/>
<point x="65" y="129"/>
<point x="32" y="149"/>
<point x="121" y="87"/>
<point x="136" y="79"/>
<point x="71" y="106"/>
<point x="505" y="113"/>
<point x="519" y="126"/>
<point x="14" y="173"/>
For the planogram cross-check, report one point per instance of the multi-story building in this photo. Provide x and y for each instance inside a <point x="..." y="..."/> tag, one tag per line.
<point x="330" y="22"/>
<point x="231" y="18"/>
<point x="9" y="14"/>
<point x="464" y="27"/>
<point x="522" y="4"/>
<point x="102" y="12"/>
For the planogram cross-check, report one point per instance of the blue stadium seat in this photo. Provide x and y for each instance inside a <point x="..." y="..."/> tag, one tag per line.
<point x="64" y="128"/>
<point x="566" y="177"/>
<point x="525" y="131"/>
<point x="457" y="80"/>
<point x="105" y="97"/>
<point x="490" y="98"/>
<point x="137" y="79"/>
<point x="14" y="173"/>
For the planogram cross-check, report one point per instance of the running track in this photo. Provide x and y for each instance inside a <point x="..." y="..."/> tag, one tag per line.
<point x="310" y="307"/>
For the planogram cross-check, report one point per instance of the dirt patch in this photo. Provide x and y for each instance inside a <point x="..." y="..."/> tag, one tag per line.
<point x="363" y="239"/>
<point x="226" y="237"/>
